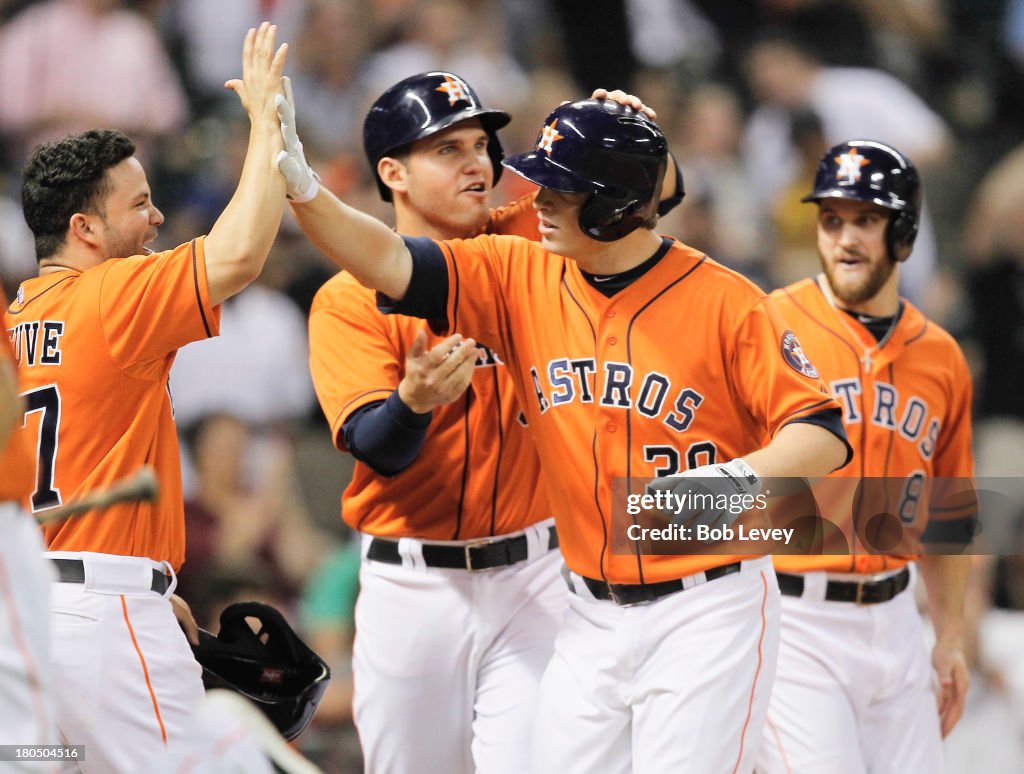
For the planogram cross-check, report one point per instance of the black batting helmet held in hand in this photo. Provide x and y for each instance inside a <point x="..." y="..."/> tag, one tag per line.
<point x="869" y="171"/>
<point x="270" y="666"/>
<point x="420" y="106"/>
<point x="607" y="150"/>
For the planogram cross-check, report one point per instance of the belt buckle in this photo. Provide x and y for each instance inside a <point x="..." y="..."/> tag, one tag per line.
<point x="467" y="552"/>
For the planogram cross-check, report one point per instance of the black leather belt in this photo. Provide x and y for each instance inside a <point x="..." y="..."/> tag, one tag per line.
<point x="632" y="594"/>
<point x="485" y="554"/>
<point x="73" y="571"/>
<point x="864" y="593"/>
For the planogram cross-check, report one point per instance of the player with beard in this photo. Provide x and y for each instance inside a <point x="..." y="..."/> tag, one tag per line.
<point x="854" y="689"/>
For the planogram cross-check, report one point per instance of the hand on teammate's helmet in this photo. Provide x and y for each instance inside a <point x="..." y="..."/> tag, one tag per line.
<point x="439" y="375"/>
<point x="732" y="479"/>
<point x="629" y="100"/>
<point x="301" y="181"/>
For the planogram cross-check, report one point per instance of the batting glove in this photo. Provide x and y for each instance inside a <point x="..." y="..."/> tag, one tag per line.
<point x="301" y="181"/>
<point x="726" y="483"/>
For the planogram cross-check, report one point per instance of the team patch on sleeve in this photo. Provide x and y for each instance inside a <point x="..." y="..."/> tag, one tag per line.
<point x="794" y="355"/>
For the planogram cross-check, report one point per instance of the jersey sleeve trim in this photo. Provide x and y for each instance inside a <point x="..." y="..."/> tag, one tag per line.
<point x="951" y="532"/>
<point x="832" y="420"/>
<point x="199" y="293"/>
<point x="813" y="407"/>
<point x="356" y="403"/>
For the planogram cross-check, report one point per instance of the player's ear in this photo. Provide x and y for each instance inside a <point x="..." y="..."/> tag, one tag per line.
<point x="82" y="227"/>
<point x="394" y="174"/>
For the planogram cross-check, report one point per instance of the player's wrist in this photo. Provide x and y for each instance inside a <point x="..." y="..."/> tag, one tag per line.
<point x="406" y="394"/>
<point x="742" y="475"/>
<point x="735" y="482"/>
<point x="302" y="184"/>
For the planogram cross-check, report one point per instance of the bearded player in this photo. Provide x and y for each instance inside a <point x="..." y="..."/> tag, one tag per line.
<point x="458" y="539"/>
<point x="854" y="691"/>
<point x="652" y="649"/>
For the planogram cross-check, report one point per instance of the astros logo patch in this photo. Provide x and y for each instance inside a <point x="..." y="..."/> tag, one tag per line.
<point x="794" y="356"/>
<point x="455" y="89"/>
<point x="849" y="166"/>
<point x="548" y="137"/>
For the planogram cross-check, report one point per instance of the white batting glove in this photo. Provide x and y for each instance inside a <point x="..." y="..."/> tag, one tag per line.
<point x="733" y="479"/>
<point x="301" y="181"/>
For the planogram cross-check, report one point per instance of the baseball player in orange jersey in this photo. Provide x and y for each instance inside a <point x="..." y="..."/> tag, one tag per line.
<point x="854" y="691"/>
<point x="95" y="336"/>
<point x="26" y="711"/>
<point x="458" y="539"/>
<point x="652" y="649"/>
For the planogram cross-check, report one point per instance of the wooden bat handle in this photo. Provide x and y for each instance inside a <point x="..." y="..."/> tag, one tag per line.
<point x="141" y="486"/>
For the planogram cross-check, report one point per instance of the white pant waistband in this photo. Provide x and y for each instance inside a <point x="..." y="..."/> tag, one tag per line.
<point x="115" y="574"/>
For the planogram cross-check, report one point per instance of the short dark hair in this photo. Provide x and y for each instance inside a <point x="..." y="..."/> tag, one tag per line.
<point x="65" y="177"/>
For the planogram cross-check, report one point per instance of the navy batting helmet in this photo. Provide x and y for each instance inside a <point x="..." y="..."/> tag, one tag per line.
<point x="604" y="149"/>
<point x="420" y="106"/>
<point x="272" y="667"/>
<point x="869" y="171"/>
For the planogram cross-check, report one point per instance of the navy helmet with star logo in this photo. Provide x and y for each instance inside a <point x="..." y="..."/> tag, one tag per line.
<point x="422" y="105"/>
<point x="605" y="149"/>
<point x="870" y="171"/>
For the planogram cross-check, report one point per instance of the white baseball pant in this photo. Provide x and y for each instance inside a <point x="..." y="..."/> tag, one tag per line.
<point x="447" y="662"/>
<point x="125" y="682"/>
<point x="677" y="684"/>
<point x="855" y="690"/>
<point x="26" y="709"/>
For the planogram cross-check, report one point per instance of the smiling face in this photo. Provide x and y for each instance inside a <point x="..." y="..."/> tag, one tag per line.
<point x="442" y="186"/>
<point x="854" y="256"/>
<point x="127" y="219"/>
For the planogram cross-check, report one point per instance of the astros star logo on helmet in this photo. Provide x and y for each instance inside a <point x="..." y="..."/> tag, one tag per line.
<point x="548" y="137"/>
<point x="455" y="89"/>
<point x="849" y="166"/>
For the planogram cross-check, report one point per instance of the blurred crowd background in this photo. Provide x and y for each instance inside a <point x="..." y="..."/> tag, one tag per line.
<point x="750" y="92"/>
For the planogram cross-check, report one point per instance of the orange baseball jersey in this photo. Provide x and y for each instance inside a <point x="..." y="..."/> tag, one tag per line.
<point x="16" y="459"/>
<point x="94" y="350"/>
<point x="518" y="218"/>
<point x="688" y="365"/>
<point x="906" y="406"/>
<point x="476" y="473"/>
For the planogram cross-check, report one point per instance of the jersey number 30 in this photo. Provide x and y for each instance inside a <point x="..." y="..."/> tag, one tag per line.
<point x="668" y="460"/>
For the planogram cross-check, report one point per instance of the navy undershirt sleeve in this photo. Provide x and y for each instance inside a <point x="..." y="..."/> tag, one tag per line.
<point x="386" y="435"/>
<point x="832" y="420"/>
<point x="427" y="296"/>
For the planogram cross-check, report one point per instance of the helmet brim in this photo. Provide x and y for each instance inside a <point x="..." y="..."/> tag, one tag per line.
<point x="490" y="120"/>
<point x="537" y="167"/>
<point x="839" y="193"/>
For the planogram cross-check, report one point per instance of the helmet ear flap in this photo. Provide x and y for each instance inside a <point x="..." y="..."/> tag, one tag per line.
<point x="608" y="218"/>
<point x="612" y="213"/>
<point x="900" y="235"/>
